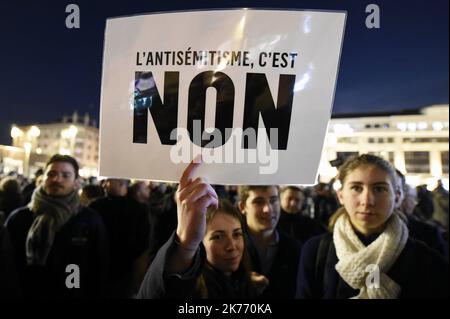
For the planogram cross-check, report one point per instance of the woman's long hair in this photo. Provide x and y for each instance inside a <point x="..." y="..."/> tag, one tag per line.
<point x="225" y="207"/>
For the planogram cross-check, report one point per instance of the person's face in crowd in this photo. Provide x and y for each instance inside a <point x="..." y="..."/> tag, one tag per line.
<point x="39" y="180"/>
<point x="224" y="242"/>
<point x="369" y="198"/>
<point x="116" y="187"/>
<point x="401" y="193"/>
<point x="59" y="179"/>
<point x="292" y="201"/>
<point x="409" y="200"/>
<point x="261" y="209"/>
<point x="143" y="193"/>
<point x="153" y="185"/>
<point x="321" y="190"/>
<point x="84" y="198"/>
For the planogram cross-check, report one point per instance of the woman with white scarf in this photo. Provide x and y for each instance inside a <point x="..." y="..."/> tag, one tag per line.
<point x="369" y="253"/>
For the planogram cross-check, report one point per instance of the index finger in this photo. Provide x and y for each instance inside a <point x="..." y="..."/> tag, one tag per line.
<point x="189" y="172"/>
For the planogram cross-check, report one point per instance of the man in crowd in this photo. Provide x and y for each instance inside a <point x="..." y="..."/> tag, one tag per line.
<point x="428" y="233"/>
<point x="292" y="220"/>
<point x="127" y="226"/>
<point x="273" y="254"/>
<point x="60" y="246"/>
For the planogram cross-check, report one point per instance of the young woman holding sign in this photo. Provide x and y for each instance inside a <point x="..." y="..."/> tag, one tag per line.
<point x="204" y="257"/>
<point x="369" y="253"/>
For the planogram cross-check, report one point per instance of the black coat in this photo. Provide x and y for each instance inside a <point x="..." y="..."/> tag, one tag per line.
<point x="164" y="222"/>
<point x="420" y="272"/>
<point x="127" y="226"/>
<point x="10" y="202"/>
<point x="283" y="273"/>
<point x="299" y="227"/>
<point x="9" y="284"/>
<point x="81" y="241"/>
<point x="429" y="234"/>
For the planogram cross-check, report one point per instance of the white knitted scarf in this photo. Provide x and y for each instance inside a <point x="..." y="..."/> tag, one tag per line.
<point x="354" y="257"/>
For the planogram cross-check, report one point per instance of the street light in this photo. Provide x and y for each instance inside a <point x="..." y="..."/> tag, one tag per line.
<point x="69" y="134"/>
<point x="73" y="131"/>
<point x="34" y="131"/>
<point x="16" y="133"/>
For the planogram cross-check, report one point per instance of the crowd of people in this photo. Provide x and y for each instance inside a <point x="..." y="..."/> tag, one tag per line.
<point x="374" y="237"/>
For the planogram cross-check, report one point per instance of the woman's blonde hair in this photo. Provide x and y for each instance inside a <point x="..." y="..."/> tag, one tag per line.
<point x="355" y="162"/>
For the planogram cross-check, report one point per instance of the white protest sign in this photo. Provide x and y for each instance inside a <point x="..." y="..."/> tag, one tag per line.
<point x="250" y="90"/>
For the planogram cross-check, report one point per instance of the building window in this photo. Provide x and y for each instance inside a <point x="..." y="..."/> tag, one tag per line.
<point x="380" y="140"/>
<point x="417" y="162"/>
<point x="391" y="157"/>
<point x="444" y="161"/>
<point x="425" y="140"/>
<point x="348" y="140"/>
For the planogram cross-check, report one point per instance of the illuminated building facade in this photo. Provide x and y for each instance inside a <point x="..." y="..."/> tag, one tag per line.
<point x="76" y="136"/>
<point x="417" y="144"/>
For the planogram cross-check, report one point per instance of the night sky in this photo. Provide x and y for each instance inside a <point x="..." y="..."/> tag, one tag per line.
<point x="47" y="70"/>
